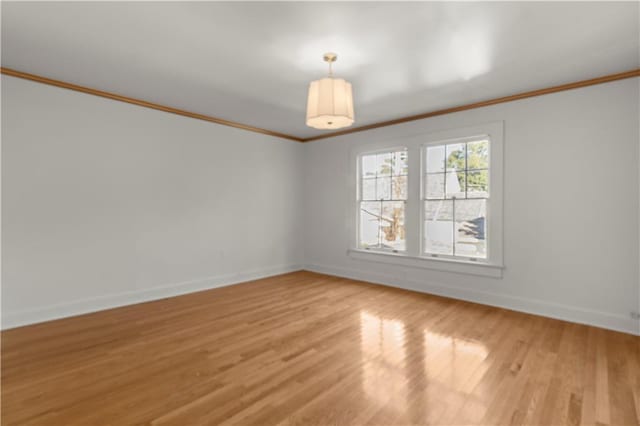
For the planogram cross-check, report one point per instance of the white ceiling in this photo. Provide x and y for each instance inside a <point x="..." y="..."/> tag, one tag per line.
<point x="252" y="62"/>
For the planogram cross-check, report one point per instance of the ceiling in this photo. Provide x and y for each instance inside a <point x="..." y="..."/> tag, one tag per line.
<point x="252" y="62"/>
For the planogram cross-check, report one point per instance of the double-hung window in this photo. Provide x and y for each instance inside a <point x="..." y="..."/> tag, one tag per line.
<point x="382" y="199"/>
<point x="455" y="196"/>
<point x="433" y="202"/>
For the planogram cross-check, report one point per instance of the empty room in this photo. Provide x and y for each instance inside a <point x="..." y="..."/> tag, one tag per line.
<point x="320" y="213"/>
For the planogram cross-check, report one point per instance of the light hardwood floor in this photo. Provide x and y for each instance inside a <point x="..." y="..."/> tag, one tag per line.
<point x="305" y="348"/>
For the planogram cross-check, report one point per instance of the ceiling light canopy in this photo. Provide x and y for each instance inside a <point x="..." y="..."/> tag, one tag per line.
<point x="330" y="101"/>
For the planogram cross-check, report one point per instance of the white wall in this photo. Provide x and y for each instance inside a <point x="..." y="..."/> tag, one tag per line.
<point x="106" y="203"/>
<point x="570" y="206"/>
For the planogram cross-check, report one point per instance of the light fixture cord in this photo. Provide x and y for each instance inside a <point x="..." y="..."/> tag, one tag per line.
<point x="331" y="69"/>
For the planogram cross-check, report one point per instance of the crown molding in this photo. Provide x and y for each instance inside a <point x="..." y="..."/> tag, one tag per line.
<point x="489" y="102"/>
<point x="139" y="102"/>
<point x="212" y="119"/>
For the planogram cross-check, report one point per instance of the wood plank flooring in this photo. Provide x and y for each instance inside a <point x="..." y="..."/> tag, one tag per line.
<point x="309" y="349"/>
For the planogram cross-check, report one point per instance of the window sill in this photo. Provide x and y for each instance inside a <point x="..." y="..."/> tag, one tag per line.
<point x="446" y="265"/>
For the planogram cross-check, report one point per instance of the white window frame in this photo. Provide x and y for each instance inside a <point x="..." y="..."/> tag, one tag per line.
<point x="359" y="193"/>
<point x="493" y="265"/>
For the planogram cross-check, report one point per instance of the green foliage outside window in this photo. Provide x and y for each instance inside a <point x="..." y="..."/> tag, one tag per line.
<point x="477" y="158"/>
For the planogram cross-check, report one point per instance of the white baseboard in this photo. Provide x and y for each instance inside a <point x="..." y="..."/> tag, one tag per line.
<point x="79" y="307"/>
<point x="531" y="306"/>
<point x="536" y="307"/>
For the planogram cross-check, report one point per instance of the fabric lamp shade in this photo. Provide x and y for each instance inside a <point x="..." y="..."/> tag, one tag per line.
<point x="330" y="104"/>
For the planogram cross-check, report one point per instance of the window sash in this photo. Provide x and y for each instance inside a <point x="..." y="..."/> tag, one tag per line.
<point x="484" y="229"/>
<point x="378" y="246"/>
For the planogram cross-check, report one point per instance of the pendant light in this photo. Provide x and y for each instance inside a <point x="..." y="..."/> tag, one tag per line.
<point x="330" y="101"/>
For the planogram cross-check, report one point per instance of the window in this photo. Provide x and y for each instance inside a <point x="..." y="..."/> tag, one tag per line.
<point x="382" y="198"/>
<point x="436" y="202"/>
<point x="455" y="196"/>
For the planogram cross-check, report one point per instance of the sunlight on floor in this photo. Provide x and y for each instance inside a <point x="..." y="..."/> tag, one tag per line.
<point x="383" y="351"/>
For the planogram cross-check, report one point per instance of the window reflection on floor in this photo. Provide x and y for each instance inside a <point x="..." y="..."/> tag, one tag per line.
<point x="454" y="367"/>
<point x="450" y="360"/>
<point x="383" y="349"/>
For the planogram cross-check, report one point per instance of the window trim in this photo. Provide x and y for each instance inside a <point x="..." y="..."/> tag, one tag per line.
<point x="414" y="255"/>
<point x="424" y="262"/>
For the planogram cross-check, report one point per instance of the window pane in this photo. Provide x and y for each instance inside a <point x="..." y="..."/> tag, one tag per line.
<point x="369" y="224"/>
<point x="435" y="159"/>
<point x="455" y="156"/>
<point x="478" y="184"/>
<point x="478" y="155"/>
<point x="400" y="166"/>
<point x="368" y="165"/>
<point x="382" y="225"/>
<point x="438" y="227"/>
<point x="383" y="164"/>
<point x="369" y="189"/>
<point x="470" y="217"/>
<point x="383" y="188"/>
<point x="434" y="186"/>
<point x="392" y="225"/>
<point x="455" y="184"/>
<point x="399" y="188"/>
